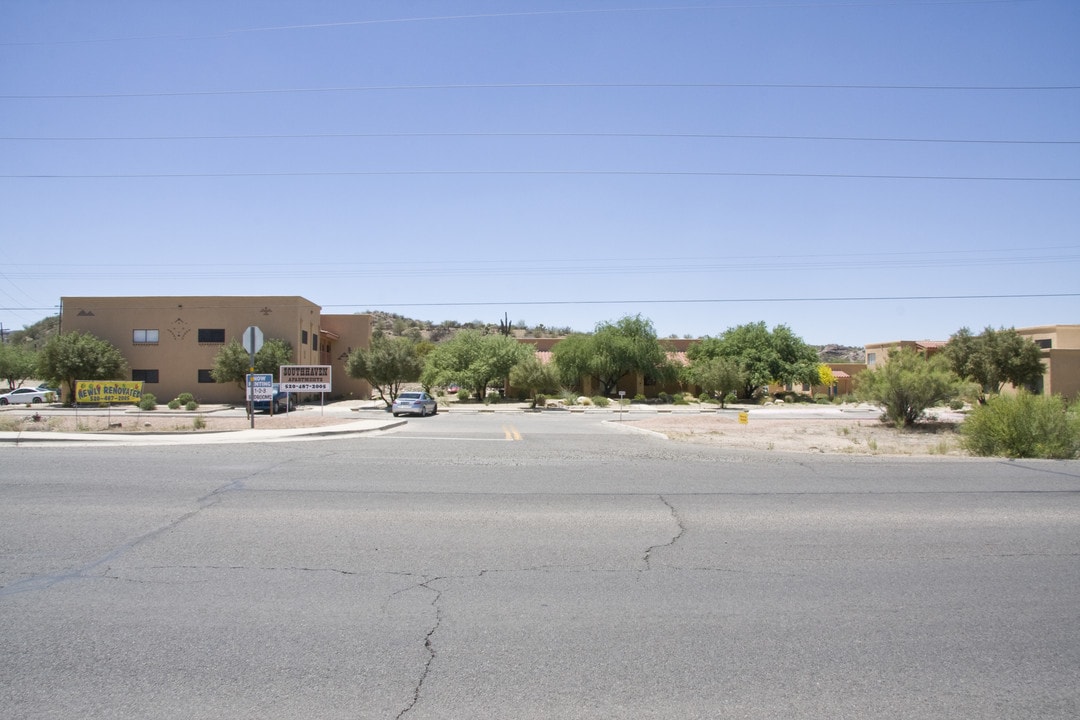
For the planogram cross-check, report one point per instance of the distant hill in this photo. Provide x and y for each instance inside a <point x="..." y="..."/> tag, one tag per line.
<point x="35" y="335"/>
<point x="394" y="324"/>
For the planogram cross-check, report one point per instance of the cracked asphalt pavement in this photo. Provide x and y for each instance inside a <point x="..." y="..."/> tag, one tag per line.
<point x="533" y="567"/>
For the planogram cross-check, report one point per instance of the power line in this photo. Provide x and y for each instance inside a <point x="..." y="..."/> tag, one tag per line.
<point x="640" y="301"/>
<point x="544" y="86"/>
<point x="489" y="16"/>
<point x="615" y="135"/>
<point x="595" y="173"/>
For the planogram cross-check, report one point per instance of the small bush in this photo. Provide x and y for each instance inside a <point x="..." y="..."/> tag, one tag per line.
<point x="185" y="398"/>
<point x="663" y="397"/>
<point x="174" y="404"/>
<point x="540" y="400"/>
<point x="600" y="401"/>
<point x="731" y="397"/>
<point x="198" y="423"/>
<point x="191" y="405"/>
<point x="956" y="404"/>
<point x="1023" y="426"/>
<point x="463" y="394"/>
<point x="148" y="402"/>
<point x="639" y="398"/>
<point x="680" y="399"/>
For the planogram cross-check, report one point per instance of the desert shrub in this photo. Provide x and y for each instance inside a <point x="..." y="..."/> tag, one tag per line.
<point x="600" y="401"/>
<point x="822" y="399"/>
<point x="191" y="405"/>
<point x="185" y="398"/>
<point x="1023" y="426"/>
<point x="663" y="397"/>
<point x="680" y="399"/>
<point x="463" y="394"/>
<point x="956" y="404"/>
<point x="148" y="402"/>
<point x="639" y="398"/>
<point x="540" y="400"/>
<point x="569" y="398"/>
<point x="731" y="397"/>
<point x="908" y="384"/>
<point x="198" y="423"/>
<point x="174" y="404"/>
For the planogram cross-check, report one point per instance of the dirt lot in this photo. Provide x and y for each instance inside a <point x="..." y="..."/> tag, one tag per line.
<point x="807" y="434"/>
<point x="155" y="421"/>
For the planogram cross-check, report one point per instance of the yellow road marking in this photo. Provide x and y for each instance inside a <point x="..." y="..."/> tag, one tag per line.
<point x="511" y="432"/>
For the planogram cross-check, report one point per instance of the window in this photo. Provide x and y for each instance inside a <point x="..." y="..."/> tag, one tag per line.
<point x="1045" y="344"/>
<point x="314" y="342"/>
<point x="144" y="337"/>
<point x="205" y="376"/>
<point x="211" y="335"/>
<point x="147" y="376"/>
<point x="871" y="358"/>
<point x="303" y="337"/>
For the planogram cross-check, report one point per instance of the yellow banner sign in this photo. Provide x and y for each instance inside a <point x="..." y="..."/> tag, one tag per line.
<point x="108" y="391"/>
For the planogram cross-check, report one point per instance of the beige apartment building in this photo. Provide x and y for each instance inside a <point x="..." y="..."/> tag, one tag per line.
<point x="1060" y="346"/>
<point x="170" y="343"/>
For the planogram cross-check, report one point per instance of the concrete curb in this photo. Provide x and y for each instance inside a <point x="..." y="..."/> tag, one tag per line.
<point x="224" y="437"/>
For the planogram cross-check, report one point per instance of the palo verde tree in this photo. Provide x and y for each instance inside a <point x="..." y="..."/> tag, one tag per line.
<point x="79" y="356"/>
<point x="994" y="358"/>
<point x="534" y="376"/>
<point x="387" y="364"/>
<point x="232" y="362"/>
<point x="18" y="362"/>
<point x="473" y="360"/>
<point x="763" y="356"/>
<point x="908" y="384"/>
<point x="717" y="376"/>
<point x="612" y="352"/>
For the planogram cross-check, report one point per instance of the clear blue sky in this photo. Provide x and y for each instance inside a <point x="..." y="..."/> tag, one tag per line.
<point x="825" y="165"/>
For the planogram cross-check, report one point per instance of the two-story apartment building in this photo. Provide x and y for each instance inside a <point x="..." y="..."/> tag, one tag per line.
<point x="170" y="343"/>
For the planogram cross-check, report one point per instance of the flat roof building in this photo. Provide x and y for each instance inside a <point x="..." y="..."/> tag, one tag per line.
<point x="170" y="342"/>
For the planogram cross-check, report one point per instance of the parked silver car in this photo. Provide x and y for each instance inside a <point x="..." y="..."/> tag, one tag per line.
<point x="414" y="403"/>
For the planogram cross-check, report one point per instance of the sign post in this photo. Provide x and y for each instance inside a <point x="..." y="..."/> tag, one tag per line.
<point x="253" y="342"/>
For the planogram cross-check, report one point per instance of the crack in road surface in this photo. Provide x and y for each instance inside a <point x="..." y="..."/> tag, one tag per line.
<point x="429" y="647"/>
<point x="675" y="538"/>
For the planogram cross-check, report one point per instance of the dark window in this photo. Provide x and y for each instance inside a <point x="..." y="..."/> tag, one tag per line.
<point x="211" y="335"/>
<point x="314" y="342"/>
<point x="303" y="337"/>
<point x="144" y="337"/>
<point x="205" y="376"/>
<point x="147" y="376"/>
<point x="1045" y="344"/>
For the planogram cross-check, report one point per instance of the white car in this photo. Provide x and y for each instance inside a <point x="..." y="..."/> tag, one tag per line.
<point x="22" y="396"/>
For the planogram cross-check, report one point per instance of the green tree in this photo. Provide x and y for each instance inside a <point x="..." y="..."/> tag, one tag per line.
<point x="79" y="356"/>
<point x="612" y="352"/>
<point x="232" y="362"/>
<point x="718" y="376"/>
<point x="473" y="360"/>
<point x="764" y="356"/>
<point x="17" y="363"/>
<point x="387" y="364"/>
<point x="534" y="376"/>
<point x="994" y="358"/>
<point x="908" y="384"/>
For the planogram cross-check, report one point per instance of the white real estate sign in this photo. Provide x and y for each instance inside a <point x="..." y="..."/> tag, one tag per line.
<point x="260" y="386"/>
<point x="304" y="378"/>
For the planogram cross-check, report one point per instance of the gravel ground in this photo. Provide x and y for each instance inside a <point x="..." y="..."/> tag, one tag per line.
<point x="809" y="434"/>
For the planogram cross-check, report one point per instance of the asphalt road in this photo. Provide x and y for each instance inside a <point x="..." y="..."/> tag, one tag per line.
<point x="533" y="566"/>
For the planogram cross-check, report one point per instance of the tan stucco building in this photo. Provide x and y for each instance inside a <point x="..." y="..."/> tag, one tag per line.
<point x="170" y="342"/>
<point x="1060" y="345"/>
